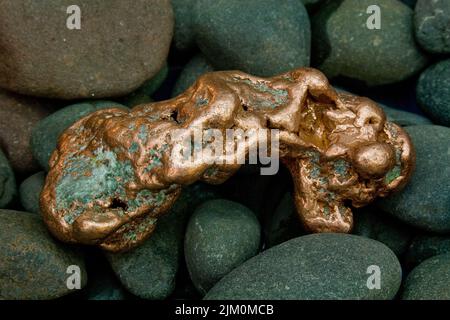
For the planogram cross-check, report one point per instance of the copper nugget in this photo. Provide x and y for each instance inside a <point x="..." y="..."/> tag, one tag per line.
<point x="113" y="173"/>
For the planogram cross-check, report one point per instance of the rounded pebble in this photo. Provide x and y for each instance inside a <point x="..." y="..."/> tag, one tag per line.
<point x="344" y="45"/>
<point x="34" y="265"/>
<point x="425" y="201"/>
<point x="220" y="236"/>
<point x="433" y="92"/>
<point x="317" y="266"/>
<point x="260" y="37"/>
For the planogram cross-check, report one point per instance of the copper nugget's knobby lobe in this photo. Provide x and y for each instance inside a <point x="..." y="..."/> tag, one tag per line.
<point x="115" y="171"/>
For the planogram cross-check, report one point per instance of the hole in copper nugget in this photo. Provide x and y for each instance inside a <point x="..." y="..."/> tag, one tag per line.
<point x="174" y="116"/>
<point x="117" y="203"/>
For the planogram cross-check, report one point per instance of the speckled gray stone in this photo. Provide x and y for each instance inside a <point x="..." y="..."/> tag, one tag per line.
<point x="45" y="134"/>
<point x="220" y="236"/>
<point x="120" y="44"/>
<point x="183" y="37"/>
<point x="260" y="37"/>
<point x="425" y="201"/>
<point x="317" y="266"/>
<point x="432" y="25"/>
<point x="433" y="92"/>
<point x="143" y="93"/>
<point x="372" y="223"/>
<point x="33" y="264"/>
<point x="197" y="66"/>
<point x="30" y="191"/>
<point x="7" y="182"/>
<point x="18" y="115"/>
<point x="343" y="45"/>
<point x="423" y="247"/>
<point x="429" y="281"/>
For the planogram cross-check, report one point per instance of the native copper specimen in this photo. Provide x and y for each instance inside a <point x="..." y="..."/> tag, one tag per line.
<point x="114" y="173"/>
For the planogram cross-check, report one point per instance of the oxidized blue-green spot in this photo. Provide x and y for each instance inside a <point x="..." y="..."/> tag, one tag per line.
<point x="313" y="156"/>
<point x="200" y="102"/>
<point x="155" y="158"/>
<point x="341" y="167"/>
<point x="315" y="172"/>
<point x="392" y="174"/>
<point x="134" y="147"/>
<point x="280" y="96"/>
<point x="142" y="135"/>
<point x="147" y="197"/>
<point x="86" y="179"/>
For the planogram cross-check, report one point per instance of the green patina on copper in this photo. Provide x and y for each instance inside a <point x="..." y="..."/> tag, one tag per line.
<point x="279" y="96"/>
<point x="87" y="179"/>
<point x="200" y="102"/>
<point x="393" y="174"/>
<point x="143" y="134"/>
<point x="145" y="196"/>
<point x="134" y="147"/>
<point x="155" y="158"/>
<point x="141" y="228"/>
<point x="341" y="167"/>
<point x="396" y="171"/>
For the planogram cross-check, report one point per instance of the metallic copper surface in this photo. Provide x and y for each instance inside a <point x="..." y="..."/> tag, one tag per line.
<point x="114" y="173"/>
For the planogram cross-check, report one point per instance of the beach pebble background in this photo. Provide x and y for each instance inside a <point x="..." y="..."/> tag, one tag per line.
<point x="242" y="239"/>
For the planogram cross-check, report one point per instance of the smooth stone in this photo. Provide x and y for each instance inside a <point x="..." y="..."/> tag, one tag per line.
<point x="143" y="94"/>
<point x="120" y="45"/>
<point x="220" y="236"/>
<point x="183" y="37"/>
<point x="250" y="37"/>
<point x="374" y="224"/>
<point x="30" y="191"/>
<point x="317" y="266"/>
<point x="136" y="98"/>
<point x="197" y="66"/>
<point x="7" y="182"/>
<point x="433" y="92"/>
<point x="344" y="46"/>
<point x="425" y="201"/>
<point x="152" y="85"/>
<point x="429" y="281"/>
<point x="149" y="271"/>
<point x="34" y="265"/>
<point x="18" y="115"/>
<point x="432" y="25"/>
<point x="284" y="224"/>
<point x="426" y="246"/>
<point x="44" y="136"/>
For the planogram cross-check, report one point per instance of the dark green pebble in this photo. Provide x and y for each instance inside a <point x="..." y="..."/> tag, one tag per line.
<point x="220" y="236"/>
<point x="30" y="190"/>
<point x="33" y="264"/>
<point x="425" y="200"/>
<point x="318" y="266"/>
